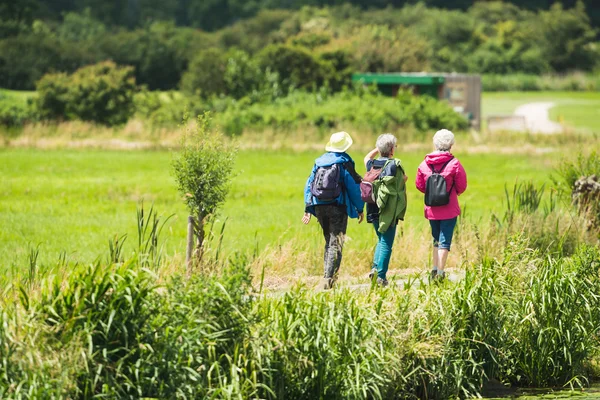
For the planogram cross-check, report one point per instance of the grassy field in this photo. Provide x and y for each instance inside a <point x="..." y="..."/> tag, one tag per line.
<point x="74" y="201"/>
<point x="578" y="110"/>
<point x="15" y="95"/>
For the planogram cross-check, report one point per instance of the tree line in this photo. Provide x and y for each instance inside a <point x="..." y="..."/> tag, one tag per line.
<point x="306" y="48"/>
<point x="211" y="15"/>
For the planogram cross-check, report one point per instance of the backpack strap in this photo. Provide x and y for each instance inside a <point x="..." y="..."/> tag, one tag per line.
<point x="441" y="169"/>
<point x="349" y="166"/>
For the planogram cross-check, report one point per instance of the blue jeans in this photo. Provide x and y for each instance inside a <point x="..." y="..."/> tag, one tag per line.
<point x="442" y="231"/>
<point x="383" y="250"/>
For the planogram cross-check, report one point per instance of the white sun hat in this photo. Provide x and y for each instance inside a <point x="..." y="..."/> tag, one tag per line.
<point x="339" y="142"/>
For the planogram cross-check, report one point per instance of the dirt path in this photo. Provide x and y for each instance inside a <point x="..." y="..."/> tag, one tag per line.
<point x="537" y="117"/>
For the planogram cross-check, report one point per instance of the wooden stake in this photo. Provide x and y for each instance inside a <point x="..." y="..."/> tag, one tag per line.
<point x="190" y="245"/>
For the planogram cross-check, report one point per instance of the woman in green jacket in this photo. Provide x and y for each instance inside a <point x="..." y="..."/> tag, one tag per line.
<point x="390" y="206"/>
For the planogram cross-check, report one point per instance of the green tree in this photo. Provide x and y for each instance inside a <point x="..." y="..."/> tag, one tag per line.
<point x="296" y="66"/>
<point x="80" y="27"/>
<point x="25" y="59"/>
<point x="154" y="52"/>
<point x="381" y="49"/>
<point x="568" y="38"/>
<point x="206" y="73"/>
<point x="242" y="74"/>
<point x="203" y="169"/>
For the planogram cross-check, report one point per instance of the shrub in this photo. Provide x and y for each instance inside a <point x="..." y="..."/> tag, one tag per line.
<point x="16" y="114"/>
<point x="100" y="93"/>
<point x="203" y="169"/>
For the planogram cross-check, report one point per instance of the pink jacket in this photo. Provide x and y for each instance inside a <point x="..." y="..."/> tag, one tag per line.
<point x="454" y="173"/>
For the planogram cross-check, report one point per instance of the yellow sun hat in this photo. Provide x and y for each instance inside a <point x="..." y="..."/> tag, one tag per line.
<point x="339" y="142"/>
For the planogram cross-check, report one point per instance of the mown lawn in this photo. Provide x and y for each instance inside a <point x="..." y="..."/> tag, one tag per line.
<point x="74" y="201"/>
<point x="578" y="110"/>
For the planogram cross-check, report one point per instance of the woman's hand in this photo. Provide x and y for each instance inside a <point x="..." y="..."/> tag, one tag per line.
<point x="306" y="218"/>
<point x="361" y="216"/>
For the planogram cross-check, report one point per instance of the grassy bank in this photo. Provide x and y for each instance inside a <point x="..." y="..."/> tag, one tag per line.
<point x="116" y="330"/>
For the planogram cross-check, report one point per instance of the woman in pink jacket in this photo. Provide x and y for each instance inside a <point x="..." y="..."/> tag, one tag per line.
<point x="442" y="195"/>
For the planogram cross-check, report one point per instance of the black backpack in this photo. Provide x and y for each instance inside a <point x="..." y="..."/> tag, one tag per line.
<point x="435" y="188"/>
<point x="327" y="185"/>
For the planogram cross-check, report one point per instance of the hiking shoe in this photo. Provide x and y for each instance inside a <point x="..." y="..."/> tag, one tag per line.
<point x="328" y="283"/>
<point x="433" y="274"/>
<point x="439" y="276"/>
<point x="382" y="282"/>
<point x="373" y="273"/>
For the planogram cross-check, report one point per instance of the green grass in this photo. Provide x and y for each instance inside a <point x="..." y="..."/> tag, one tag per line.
<point x="16" y="95"/>
<point x="579" y="110"/>
<point x="74" y="201"/>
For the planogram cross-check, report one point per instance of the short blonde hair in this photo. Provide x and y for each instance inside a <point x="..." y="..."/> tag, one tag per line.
<point x="443" y="140"/>
<point x="385" y="143"/>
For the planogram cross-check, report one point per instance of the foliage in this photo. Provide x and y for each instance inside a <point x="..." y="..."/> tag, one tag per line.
<point x="487" y="37"/>
<point x="361" y="108"/>
<point x="159" y="54"/>
<point x="527" y="82"/>
<point x="569" y="171"/>
<point x="381" y="49"/>
<point x="25" y="59"/>
<point x="203" y="169"/>
<point x="14" y="113"/>
<point x="206" y="73"/>
<point x="110" y="330"/>
<point x="568" y="38"/>
<point x="295" y="66"/>
<point x="100" y="93"/>
<point x="80" y="27"/>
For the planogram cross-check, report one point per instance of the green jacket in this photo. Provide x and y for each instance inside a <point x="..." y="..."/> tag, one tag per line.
<point x="391" y="198"/>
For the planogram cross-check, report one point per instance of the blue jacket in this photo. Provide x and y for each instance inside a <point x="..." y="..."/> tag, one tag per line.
<point x="350" y="196"/>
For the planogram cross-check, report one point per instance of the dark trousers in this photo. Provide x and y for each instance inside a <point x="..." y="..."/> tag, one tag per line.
<point x="334" y="221"/>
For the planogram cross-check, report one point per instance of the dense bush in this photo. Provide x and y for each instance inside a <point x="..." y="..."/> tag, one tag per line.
<point x="100" y="93"/>
<point x="362" y="110"/>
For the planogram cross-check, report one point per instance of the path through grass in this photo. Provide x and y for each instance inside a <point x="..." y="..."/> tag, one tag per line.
<point x="578" y="110"/>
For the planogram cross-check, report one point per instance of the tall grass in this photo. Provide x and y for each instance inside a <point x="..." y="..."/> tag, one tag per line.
<point x="107" y="330"/>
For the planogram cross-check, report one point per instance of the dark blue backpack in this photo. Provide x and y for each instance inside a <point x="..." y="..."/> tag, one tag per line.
<point x="327" y="184"/>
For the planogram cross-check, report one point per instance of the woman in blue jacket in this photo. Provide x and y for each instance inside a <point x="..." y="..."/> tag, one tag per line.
<point x="332" y="198"/>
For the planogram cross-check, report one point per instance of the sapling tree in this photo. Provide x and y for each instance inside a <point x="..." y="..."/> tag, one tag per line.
<point x="203" y="169"/>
